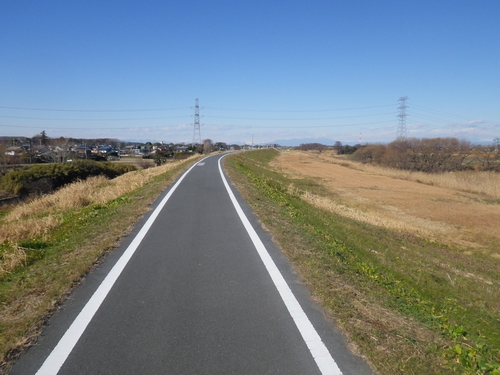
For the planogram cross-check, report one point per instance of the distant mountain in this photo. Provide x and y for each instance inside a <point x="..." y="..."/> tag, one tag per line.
<point x="298" y="141"/>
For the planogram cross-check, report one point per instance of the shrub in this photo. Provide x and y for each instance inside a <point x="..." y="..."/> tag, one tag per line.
<point x="41" y="179"/>
<point x="425" y="155"/>
<point x="487" y="158"/>
<point x="311" y="146"/>
<point x="369" y="154"/>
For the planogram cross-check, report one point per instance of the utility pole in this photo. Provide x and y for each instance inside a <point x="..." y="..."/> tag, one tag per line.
<point x="196" y="131"/>
<point x="401" y="133"/>
<point x="30" y="151"/>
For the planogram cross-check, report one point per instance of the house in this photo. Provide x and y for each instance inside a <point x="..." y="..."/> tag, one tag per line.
<point x="83" y="151"/>
<point x="13" y="151"/>
<point x="132" y="150"/>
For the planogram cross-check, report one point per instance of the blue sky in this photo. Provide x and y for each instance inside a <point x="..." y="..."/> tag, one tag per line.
<point x="262" y="70"/>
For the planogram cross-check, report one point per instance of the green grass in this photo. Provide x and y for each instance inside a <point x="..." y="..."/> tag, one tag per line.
<point x="395" y="272"/>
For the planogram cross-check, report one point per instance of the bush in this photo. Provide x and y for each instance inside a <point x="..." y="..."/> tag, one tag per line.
<point x="425" y="155"/>
<point x="41" y="179"/>
<point x="311" y="146"/>
<point x="369" y="154"/>
<point x="181" y="156"/>
<point x="487" y="158"/>
<point x="160" y="157"/>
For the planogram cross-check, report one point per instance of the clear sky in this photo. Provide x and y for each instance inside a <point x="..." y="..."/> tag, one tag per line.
<point x="262" y="70"/>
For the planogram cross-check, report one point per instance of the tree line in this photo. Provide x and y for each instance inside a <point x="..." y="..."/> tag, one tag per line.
<point x="431" y="155"/>
<point x="338" y="147"/>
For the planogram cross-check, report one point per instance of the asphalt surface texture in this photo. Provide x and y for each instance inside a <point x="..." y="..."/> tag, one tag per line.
<point x="194" y="298"/>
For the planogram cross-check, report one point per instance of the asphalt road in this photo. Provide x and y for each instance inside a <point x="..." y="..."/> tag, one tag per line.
<point x="197" y="288"/>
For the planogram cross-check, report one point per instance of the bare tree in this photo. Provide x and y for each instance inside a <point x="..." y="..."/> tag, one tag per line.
<point x="426" y="155"/>
<point x="488" y="158"/>
<point x="207" y="146"/>
<point x="61" y="150"/>
<point x="338" y="147"/>
<point x="312" y="146"/>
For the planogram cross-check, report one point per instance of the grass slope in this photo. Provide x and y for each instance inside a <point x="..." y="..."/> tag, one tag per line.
<point x="389" y="291"/>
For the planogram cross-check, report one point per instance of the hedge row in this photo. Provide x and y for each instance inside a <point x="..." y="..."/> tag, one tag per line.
<point x="44" y="178"/>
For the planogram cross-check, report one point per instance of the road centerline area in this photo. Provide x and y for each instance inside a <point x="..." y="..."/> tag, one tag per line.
<point x="200" y="289"/>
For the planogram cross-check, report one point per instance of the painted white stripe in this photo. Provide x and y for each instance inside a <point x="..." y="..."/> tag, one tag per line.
<point x="60" y="353"/>
<point x="320" y="353"/>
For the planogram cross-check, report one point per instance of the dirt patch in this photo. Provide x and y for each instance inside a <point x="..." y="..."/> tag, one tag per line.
<point x="448" y="215"/>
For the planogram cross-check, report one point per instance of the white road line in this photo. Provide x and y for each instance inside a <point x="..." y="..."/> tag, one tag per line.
<point x="320" y="353"/>
<point x="60" y="353"/>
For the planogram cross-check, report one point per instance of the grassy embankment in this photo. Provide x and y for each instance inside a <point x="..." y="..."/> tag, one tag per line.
<point x="50" y="243"/>
<point x="389" y="289"/>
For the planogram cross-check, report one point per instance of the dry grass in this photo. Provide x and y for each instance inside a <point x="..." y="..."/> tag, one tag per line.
<point x="37" y="218"/>
<point x="363" y="216"/>
<point x="29" y="228"/>
<point x="487" y="183"/>
<point x="12" y="259"/>
<point x="460" y="209"/>
<point x="94" y="190"/>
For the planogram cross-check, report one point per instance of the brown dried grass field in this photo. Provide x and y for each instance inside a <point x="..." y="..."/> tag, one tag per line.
<point x="459" y="209"/>
<point x="39" y="216"/>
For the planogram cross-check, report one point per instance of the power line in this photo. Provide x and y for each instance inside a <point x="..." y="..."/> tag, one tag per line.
<point x="299" y="110"/>
<point x="304" y="126"/>
<point x="92" y="119"/>
<point x="178" y="108"/>
<point x="100" y="128"/>
<point x="438" y="112"/>
<point x="452" y="123"/>
<point x="302" y="118"/>
<point x="429" y="118"/>
<point x="231" y="125"/>
<point x="93" y="110"/>
<point x="171" y="117"/>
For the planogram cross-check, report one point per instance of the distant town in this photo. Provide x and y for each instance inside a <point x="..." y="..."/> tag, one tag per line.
<point x="43" y="149"/>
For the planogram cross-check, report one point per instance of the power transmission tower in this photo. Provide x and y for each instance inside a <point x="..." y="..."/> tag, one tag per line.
<point x="401" y="133"/>
<point x="497" y="141"/>
<point x="196" y="132"/>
